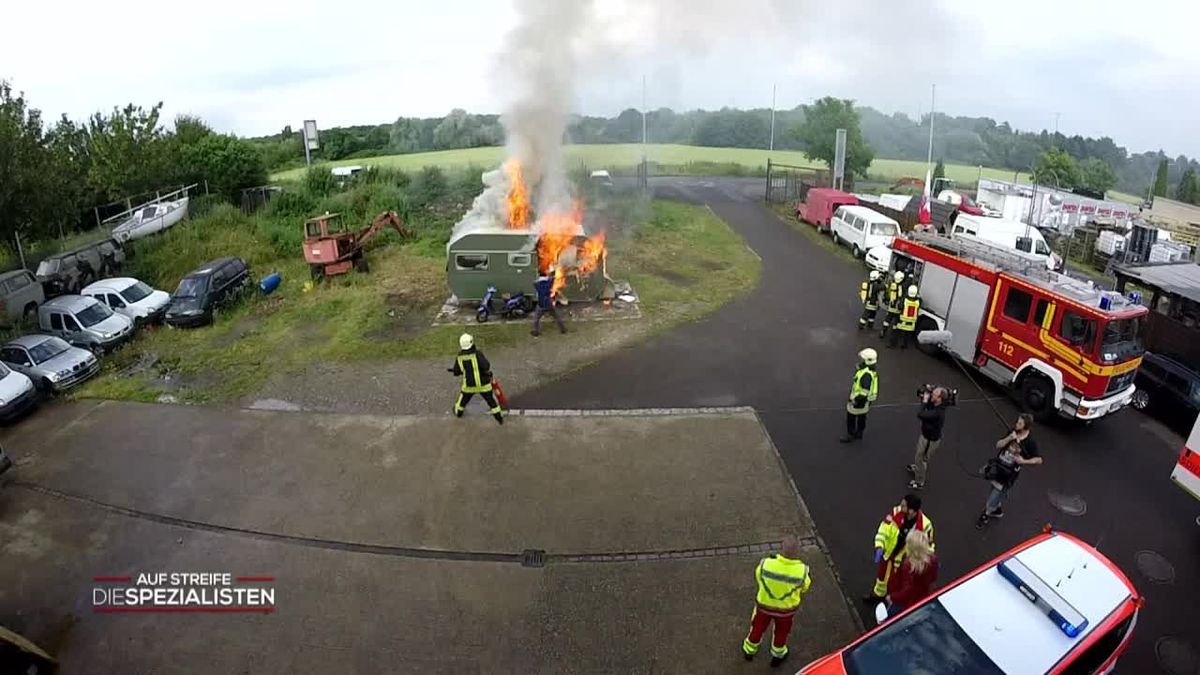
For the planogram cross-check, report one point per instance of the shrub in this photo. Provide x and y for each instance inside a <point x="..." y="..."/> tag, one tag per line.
<point x="429" y="187"/>
<point x="291" y="203"/>
<point x="318" y="181"/>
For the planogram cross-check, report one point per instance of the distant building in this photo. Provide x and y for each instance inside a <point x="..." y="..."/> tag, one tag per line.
<point x="1047" y="207"/>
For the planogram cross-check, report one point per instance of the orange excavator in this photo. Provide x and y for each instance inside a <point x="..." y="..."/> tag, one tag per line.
<point x="330" y="249"/>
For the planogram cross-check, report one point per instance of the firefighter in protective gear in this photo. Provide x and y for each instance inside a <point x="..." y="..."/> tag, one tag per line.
<point x="782" y="580"/>
<point x="476" y="375"/>
<point x="864" y="389"/>
<point x="869" y="293"/>
<point x="905" y="329"/>
<point x="889" y="541"/>
<point x="895" y="301"/>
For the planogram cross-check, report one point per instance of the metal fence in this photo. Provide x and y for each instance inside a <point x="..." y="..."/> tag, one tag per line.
<point x="788" y="183"/>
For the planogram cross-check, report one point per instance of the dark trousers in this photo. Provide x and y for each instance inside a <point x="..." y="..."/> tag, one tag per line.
<point x="464" y="397"/>
<point x="537" y="318"/>
<point x="890" y="319"/>
<point x="855" y="424"/>
<point x="901" y="338"/>
<point x="867" y="320"/>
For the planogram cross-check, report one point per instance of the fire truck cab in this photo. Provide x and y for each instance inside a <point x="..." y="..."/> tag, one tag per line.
<point x="1060" y="345"/>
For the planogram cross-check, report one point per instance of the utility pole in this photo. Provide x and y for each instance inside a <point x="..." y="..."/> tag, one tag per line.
<point x="932" y="103"/>
<point x="772" y="148"/>
<point x="643" y="119"/>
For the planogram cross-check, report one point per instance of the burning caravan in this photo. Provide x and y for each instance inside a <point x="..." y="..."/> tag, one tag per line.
<point x="509" y="260"/>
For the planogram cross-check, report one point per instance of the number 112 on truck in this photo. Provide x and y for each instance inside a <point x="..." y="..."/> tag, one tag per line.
<point x="1060" y="345"/>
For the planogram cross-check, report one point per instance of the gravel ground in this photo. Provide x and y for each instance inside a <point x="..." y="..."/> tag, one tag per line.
<point x="424" y="386"/>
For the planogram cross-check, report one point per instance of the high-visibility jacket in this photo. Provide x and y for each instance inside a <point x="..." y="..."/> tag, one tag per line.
<point x="868" y="293"/>
<point x="895" y="296"/>
<point x="475" y="370"/>
<point x="781" y="582"/>
<point x="909" y="314"/>
<point x="888" y="535"/>
<point x="857" y="405"/>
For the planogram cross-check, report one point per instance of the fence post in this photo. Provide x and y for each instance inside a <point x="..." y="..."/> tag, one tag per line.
<point x="205" y="187"/>
<point x="767" y="194"/>
<point x="96" y="212"/>
<point x="20" y="251"/>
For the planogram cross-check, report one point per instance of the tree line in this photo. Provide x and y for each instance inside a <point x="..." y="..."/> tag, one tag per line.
<point x="961" y="140"/>
<point x="52" y="176"/>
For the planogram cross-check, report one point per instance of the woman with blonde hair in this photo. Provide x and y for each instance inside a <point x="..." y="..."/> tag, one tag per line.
<point x="916" y="575"/>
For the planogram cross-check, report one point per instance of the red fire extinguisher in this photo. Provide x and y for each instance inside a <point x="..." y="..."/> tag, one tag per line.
<point x="500" y="397"/>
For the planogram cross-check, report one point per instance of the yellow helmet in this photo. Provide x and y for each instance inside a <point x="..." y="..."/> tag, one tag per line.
<point x="868" y="356"/>
<point x="465" y="341"/>
<point x="898" y="276"/>
<point x="912" y="291"/>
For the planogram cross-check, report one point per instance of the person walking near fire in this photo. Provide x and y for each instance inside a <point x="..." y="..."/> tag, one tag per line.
<point x="869" y="294"/>
<point x="544" y="285"/>
<point x="782" y="580"/>
<point x="476" y="373"/>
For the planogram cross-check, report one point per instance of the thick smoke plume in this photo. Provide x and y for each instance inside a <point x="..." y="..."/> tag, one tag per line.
<point x="537" y="68"/>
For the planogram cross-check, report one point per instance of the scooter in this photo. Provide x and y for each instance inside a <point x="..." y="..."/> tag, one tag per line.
<point x="513" y="307"/>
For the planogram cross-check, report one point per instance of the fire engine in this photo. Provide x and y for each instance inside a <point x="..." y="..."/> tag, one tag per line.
<point x="1061" y="345"/>
<point x="1187" y="470"/>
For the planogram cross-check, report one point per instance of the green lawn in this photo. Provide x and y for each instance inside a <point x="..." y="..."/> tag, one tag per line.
<point x="598" y="156"/>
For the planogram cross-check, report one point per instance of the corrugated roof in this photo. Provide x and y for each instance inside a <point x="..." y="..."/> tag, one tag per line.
<point x="1181" y="278"/>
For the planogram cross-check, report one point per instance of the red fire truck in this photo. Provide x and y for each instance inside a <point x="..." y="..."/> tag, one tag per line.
<point x="1061" y="345"/>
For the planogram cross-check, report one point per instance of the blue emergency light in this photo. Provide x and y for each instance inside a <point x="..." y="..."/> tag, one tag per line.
<point x="1059" y="611"/>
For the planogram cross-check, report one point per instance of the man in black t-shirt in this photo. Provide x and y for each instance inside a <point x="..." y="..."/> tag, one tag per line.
<point x="1017" y="449"/>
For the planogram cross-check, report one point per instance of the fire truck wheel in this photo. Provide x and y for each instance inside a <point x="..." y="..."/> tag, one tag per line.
<point x="1037" y="394"/>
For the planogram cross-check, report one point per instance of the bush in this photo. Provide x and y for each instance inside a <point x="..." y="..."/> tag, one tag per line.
<point x="318" y="181"/>
<point x="201" y="206"/>
<point x="291" y="204"/>
<point x="429" y="187"/>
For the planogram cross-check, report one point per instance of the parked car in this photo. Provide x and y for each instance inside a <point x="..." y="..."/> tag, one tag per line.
<point x="1168" y="388"/>
<point x="820" y="203"/>
<point x="128" y="296"/>
<point x="84" y="322"/>
<point x="879" y="258"/>
<point x="218" y="282"/>
<point x="70" y="271"/>
<point x="20" y="295"/>
<point x="1052" y="604"/>
<point x="53" y="365"/>
<point x="862" y="229"/>
<point x="17" y="393"/>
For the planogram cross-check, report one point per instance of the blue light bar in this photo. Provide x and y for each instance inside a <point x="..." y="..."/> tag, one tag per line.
<point x="1060" y="612"/>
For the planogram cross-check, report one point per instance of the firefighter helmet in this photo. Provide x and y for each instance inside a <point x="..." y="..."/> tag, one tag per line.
<point x="874" y="275"/>
<point x="912" y="291"/>
<point x="898" y="276"/>
<point x="868" y="356"/>
<point x="465" y="341"/>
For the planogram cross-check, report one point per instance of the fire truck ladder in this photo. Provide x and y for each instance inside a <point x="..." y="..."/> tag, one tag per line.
<point x="999" y="259"/>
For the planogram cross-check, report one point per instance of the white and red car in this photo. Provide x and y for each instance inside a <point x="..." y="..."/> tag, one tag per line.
<point x="1053" y="604"/>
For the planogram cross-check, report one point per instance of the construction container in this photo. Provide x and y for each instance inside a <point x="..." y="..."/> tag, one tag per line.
<point x="508" y="260"/>
<point x="1167" y="252"/>
<point x="1109" y="242"/>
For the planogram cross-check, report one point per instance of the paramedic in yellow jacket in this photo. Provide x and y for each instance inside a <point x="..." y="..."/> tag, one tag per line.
<point x="889" y="541"/>
<point x="782" y="580"/>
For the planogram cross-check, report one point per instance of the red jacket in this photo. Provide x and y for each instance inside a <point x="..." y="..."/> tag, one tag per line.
<point x="906" y="588"/>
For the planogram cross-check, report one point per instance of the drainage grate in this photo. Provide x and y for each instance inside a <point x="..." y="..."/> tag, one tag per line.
<point x="533" y="557"/>
<point x="1155" y="567"/>
<point x="1176" y="656"/>
<point x="1072" y="505"/>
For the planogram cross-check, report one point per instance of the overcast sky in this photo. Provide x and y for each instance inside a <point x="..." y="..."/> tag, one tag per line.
<point x="1127" y="70"/>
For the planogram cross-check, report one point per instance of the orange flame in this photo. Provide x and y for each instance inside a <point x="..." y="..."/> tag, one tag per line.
<point x="518" y="196"/>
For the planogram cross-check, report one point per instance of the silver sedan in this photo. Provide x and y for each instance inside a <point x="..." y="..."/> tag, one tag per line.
<point x="52" y="364"/>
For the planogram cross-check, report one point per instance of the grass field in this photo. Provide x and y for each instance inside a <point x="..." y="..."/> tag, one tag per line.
<point x="607" y="156"/>
<point x="386" y="314"/>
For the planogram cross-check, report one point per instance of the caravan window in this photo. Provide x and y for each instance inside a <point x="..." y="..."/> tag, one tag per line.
<point x="519" y="259"/>
<point x="471" y="261"/>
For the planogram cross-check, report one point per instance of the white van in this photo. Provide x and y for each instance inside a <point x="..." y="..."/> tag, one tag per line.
<point x="862" y="229"/>
<point x="1013" y="235"/>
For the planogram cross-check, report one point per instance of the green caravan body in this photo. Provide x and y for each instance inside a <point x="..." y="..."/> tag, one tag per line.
<point x="508" y="260"/>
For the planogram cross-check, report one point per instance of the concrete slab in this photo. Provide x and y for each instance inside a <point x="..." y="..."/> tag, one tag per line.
<point x="609" y="486"/>
<point x="563" y="484"/>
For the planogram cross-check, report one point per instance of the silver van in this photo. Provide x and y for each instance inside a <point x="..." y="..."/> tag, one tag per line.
<point x="84" y="322"/>
<point x="20" y="295"/>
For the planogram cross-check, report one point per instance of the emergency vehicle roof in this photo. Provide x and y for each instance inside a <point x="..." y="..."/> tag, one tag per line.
<point x="1012" y="631"/>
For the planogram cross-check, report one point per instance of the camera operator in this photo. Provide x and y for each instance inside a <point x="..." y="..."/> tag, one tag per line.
<point x="1017" y="449"/>
<point x="933" y="416"/>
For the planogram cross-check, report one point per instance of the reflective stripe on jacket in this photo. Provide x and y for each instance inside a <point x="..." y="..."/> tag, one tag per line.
<point x="857" y="391"/>
<point x="868" y="293"/>
<point x="474" y="380"/>
<point x="908" y="317"/>
<point x="781" y="582"/>
<point x="888" y="535"/>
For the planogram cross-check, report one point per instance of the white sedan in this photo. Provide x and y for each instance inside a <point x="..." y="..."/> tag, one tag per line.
<point x="879" y="258"/>
<point x="128" y="296"/>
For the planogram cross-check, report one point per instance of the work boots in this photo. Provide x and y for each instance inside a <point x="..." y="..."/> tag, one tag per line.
<point x="499" y="417"/>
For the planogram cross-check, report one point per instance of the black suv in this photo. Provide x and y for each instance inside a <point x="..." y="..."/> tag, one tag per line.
<point x="216" y="282"/>
<point x="1167" y="387"/>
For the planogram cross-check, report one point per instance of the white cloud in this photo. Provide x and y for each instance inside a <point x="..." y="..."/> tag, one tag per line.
<point x="1110" y="68"/>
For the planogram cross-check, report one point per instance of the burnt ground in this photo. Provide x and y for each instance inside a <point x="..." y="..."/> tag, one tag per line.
<point x="788" y="349"/>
